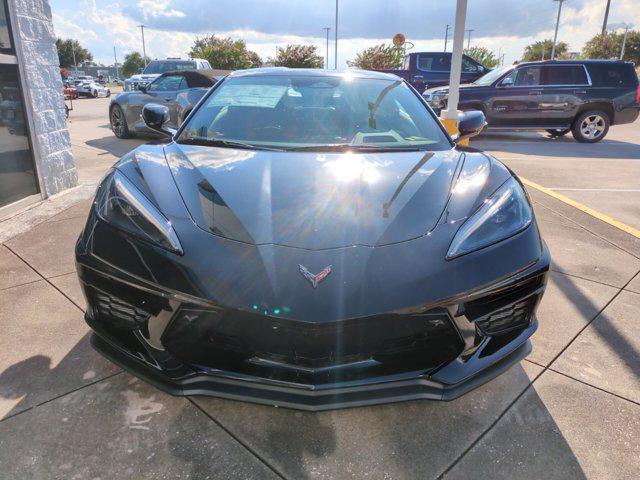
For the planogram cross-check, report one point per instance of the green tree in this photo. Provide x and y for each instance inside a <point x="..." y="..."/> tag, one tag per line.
<point x="379" y="57"/>
<point x="225" y="53"/>
<point x="298" y="56"/>
<point x="542" y="49"/>
<point x="133" y="63"/>
<point x="66" y="50"/>
<point x="483" y="55"/>
<point x="609" y="46"/>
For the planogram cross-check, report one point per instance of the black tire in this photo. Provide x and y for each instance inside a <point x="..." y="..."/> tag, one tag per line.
<point x="118" y="123"/>
<point x="591" y="126"/>
<point x="66" y="111"/>
<point x="94" y="94"/>
<point x="558" y="132"/>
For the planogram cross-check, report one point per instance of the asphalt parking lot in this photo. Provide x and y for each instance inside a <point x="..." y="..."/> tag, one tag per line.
<point x="570" y="410"/>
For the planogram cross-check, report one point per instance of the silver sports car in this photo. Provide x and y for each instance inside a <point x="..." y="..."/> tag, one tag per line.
<point x="179" y="90"/>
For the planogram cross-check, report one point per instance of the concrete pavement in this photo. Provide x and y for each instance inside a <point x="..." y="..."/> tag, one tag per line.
<point x="571" y="410"/>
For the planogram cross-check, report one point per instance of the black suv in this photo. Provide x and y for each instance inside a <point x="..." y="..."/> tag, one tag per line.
<point x="584" y="97"/>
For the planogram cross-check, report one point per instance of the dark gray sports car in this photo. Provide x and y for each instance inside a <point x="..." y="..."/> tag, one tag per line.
<point x="178" y="90"/>
<point x="312" y="239"/>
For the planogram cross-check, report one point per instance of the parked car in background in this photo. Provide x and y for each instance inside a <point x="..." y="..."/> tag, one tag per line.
<point x="11" y="111"/>
<point x="91" y="88"/>
<point x="584" y="97"/>
<point x="431" y="69"/>
<point x="155" y="68"/>
<point x="179" y="90"/>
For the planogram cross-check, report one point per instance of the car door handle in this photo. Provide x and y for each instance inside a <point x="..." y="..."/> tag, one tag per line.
<point x="535" y="92"/>
<point x="580" y="92"/>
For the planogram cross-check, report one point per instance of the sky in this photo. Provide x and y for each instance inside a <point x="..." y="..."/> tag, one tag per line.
<point x="503" y="26"/>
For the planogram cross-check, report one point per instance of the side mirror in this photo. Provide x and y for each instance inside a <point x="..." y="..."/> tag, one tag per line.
<point x="142" y="88"/>
<point x="155" y="117"/>
<point x="470" y="124"/>
<point x="506" y="82"/>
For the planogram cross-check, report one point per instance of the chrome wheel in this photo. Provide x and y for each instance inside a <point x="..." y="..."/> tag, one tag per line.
<point x="593" y="126"/>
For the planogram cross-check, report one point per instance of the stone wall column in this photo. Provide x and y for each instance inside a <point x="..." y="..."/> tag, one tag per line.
<point x="43" y="94"/>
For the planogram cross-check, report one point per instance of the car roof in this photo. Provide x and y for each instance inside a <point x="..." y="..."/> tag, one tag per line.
<point x="576" y="61"/>
<point x="316" y="72"/>
<point x="197" y="75"/>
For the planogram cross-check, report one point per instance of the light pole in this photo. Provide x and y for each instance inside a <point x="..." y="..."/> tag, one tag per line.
<point x="144" y="50"/>
<point x="449" y="116"/>
<point x="624" y="39"/>
<point x="115" y="58"/>
<point x="555" y="35"/>
<point x="446" y="36"/>
<point x="326" y="58"/>
<point x="606" y="17"/>
<point x="73" y="52"/>
<point x="335" y="33"/>
<point x="469" y="37"/>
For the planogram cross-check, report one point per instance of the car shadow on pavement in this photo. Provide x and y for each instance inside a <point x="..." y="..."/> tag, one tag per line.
<point x="555" y="147"/>
<point x="628" y="355"/>
<point x="117" y="146"/>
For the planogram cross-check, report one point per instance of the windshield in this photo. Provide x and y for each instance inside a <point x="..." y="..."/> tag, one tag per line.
<point x="492" y="76"/>
<point x="315" y="113"/>
<point x="167" y="66"/>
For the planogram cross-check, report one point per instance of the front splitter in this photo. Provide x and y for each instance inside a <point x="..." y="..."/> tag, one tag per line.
<point x="306" y="399"/>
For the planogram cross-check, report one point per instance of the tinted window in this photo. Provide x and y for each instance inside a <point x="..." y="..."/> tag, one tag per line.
<point x="17" y="177"/>
<point x="167" y="84"/>
<point x="469" y="65"/>
<point x="527" y="76"/>
<point x="294" y="111"/>
<point x="612" y="75"/>
<point x="436" y="62"/>
<point x="168" y="65"/>
<point x="564" y="75"/>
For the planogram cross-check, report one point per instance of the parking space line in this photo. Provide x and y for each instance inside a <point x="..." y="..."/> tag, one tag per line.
<point x="589" y="211"/>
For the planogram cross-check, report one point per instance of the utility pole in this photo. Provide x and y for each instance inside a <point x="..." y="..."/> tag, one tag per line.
<point x="624" y="40"/>
<point x="326" y="58"/>
<point x="606" y="17"/>
<point x="144" y="50"/>
<point x="446" y="36"/>
<point x="555" y="35"/>
<point x="469" y="37"/>
<point x="335" y="33"/>
<point x="115" y="58"/>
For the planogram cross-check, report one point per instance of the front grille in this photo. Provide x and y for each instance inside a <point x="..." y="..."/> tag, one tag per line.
<point x="112" y="308"/>
<point x="238" y="341"/>
<point x="506" y="310"/>
<point x="512" y="317"/>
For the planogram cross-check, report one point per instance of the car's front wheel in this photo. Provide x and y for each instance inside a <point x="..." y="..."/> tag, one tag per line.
<point x="108" y="93"/>
<point x="119" y="123"/>
<point x="591" y="126"/>
<point x="94" y="94"/>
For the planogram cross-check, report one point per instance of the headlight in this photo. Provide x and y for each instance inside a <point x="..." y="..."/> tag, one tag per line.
<point x="122" y="205"/>
<point x="502" y="215"/>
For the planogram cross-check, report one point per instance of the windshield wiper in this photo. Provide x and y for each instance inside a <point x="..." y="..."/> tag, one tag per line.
<point x="219" y="142"/>
<point x="347" y="146"/>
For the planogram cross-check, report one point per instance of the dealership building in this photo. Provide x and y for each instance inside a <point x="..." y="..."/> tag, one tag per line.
<point x="35" y="149"/>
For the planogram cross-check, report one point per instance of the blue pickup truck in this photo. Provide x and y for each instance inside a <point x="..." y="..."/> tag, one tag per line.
<point x="431" y="69"/>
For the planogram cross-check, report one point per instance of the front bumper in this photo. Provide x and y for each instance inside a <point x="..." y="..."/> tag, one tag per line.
<point x="141" y="327"/>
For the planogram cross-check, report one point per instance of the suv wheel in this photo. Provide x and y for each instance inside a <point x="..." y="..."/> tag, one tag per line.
<point x="119" y="123"/>
<point x="591" y="126"/>
<point x="558" y="132"/>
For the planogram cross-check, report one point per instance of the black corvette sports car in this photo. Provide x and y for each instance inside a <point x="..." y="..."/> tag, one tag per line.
<point x="315" y="240"/>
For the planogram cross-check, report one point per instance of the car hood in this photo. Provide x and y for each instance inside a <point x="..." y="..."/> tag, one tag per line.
<point x="313" y="200"/>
